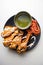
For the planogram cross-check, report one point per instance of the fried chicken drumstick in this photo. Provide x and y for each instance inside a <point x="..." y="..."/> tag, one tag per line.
<point x="23" y="46"/>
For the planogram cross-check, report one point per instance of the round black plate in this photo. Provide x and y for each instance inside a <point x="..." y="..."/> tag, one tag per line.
<point x="30" y="45"/>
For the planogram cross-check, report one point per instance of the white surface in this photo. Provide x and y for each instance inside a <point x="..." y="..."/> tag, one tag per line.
<point x="7" y="9"/>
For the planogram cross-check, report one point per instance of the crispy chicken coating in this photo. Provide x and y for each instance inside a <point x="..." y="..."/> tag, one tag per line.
<point x="7" y="40"/>
<point x="8" y="31"/>
<point x="23" y="46"/>
<point x="15" y="42"/>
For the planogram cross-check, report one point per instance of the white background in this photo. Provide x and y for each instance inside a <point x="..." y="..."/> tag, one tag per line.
<point x="7" y="9"/>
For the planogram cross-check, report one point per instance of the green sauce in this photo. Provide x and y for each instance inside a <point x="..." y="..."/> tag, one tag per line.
<point x="23" y="21"/>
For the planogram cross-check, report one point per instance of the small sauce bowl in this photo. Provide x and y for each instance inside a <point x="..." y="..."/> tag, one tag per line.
<point x="23" y="20"/>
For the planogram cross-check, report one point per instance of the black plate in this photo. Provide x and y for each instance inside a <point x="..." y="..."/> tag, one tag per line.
<point x="10" y="22"/>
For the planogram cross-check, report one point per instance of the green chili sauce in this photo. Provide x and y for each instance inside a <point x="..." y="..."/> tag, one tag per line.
<point x="23" y="21"/>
